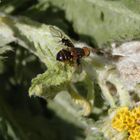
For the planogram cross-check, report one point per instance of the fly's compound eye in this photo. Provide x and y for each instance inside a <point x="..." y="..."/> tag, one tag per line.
<point x="59" y="56"/>
<point x="63" y="55"/>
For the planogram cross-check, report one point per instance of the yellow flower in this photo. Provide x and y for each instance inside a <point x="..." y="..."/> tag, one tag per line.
<point x="121" y="118"/>
<point x="128" y="120"/>
<point x="136" y="115"/>
<point x="134" y="133"/>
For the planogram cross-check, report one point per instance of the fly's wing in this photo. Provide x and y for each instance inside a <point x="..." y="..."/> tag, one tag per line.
<point x="57" y="33"/>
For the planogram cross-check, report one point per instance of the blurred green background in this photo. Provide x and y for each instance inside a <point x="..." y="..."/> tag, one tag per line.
<point x="96" y="22"/>
<point x="22" y="117"/>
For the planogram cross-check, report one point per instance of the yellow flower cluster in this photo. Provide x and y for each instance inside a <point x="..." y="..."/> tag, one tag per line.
<point x="128" y="120"/>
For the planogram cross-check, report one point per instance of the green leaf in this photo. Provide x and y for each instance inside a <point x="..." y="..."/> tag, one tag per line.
<point x="51" y="82"/>
<point x="44" y="42"/>
<point x="4" y="49"/>
<point x="103" y="20"/>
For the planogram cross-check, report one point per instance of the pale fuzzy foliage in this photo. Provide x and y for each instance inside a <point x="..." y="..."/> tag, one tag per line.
<point x="128" y="63"/>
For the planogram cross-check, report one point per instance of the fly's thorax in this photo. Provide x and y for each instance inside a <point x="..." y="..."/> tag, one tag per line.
<point x="80" y="52"/>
